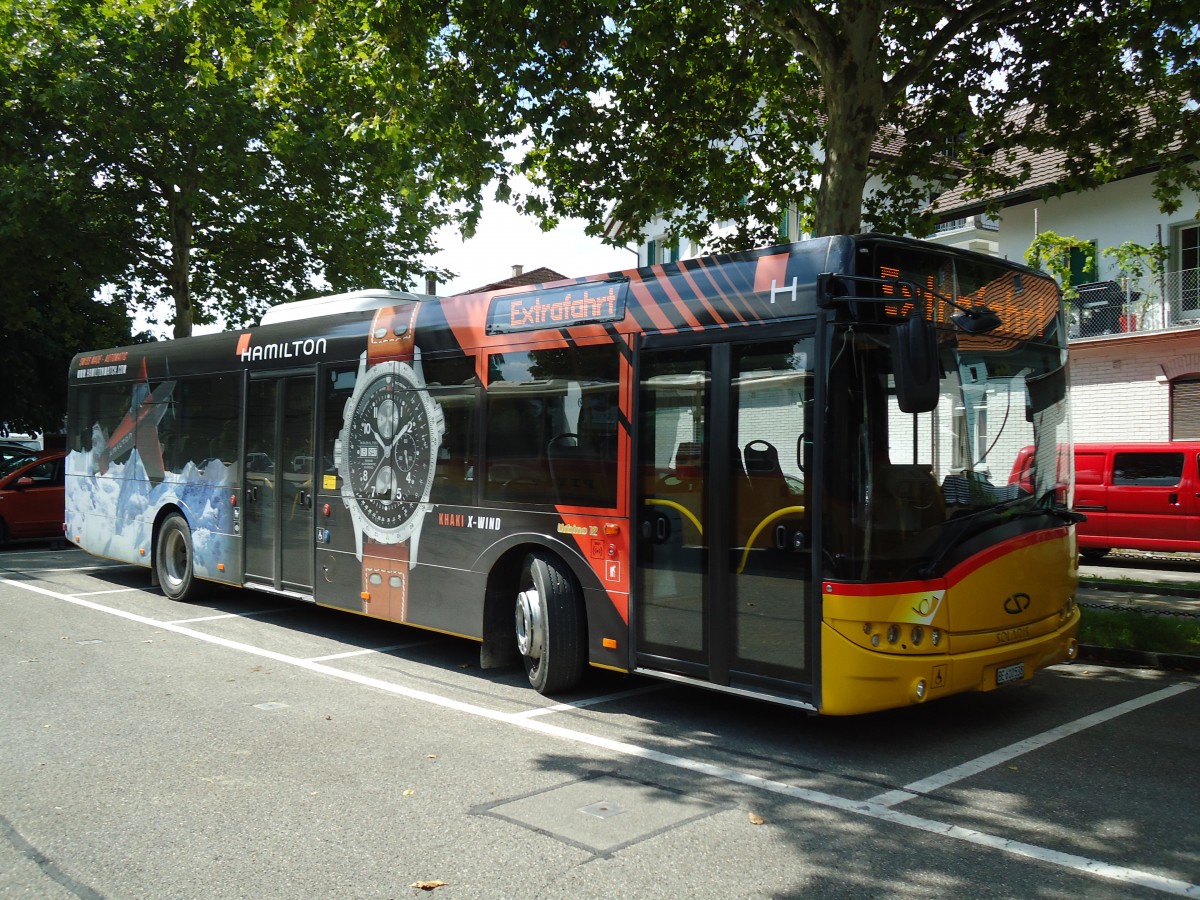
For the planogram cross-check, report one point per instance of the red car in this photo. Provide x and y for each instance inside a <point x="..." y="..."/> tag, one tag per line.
<point x="31" y="495"/>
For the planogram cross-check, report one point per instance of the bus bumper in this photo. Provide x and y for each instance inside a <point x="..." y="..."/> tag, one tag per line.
<point x="857" y="680"/>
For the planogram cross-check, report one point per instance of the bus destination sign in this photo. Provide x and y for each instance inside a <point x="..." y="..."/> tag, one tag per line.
<point x="558" y="307"/>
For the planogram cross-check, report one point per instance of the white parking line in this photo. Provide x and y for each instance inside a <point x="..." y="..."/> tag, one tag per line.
<point x="99" y="568"/>
<point x="245" y="615"/>
<point x="1005" y="754"/>
<point x="113" y="591"/>
<point x="589" y="701"/>
<point x="1081" y="864"/>
<point x="386" y="649"/>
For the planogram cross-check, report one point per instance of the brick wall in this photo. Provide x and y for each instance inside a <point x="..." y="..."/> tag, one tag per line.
<point x="1120" y="387"/>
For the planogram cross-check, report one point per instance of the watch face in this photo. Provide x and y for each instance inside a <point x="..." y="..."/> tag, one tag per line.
<point x="389" y="446"/>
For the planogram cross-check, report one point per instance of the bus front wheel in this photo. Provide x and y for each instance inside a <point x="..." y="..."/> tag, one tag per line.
<point x="550" y="624"/>
<point x="173" y="558"/>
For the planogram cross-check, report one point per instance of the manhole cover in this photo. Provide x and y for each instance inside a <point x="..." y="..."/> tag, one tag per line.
<point x="603" y="813"/>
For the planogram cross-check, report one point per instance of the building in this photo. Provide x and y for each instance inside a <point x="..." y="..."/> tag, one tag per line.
<point x="1135" y="348"/>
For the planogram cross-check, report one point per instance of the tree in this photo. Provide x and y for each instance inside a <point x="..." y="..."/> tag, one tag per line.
<point x="226" y="201"/>
<point x="1052" y="253"/>
<point x="854" y="112"/>
<point x="54" y="260"/>
<point x="56" y="250"/>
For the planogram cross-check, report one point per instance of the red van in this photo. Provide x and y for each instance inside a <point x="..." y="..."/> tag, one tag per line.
<point x="1138" y="496"/>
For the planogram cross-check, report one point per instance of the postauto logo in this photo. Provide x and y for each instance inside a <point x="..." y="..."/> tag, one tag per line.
<point x="1015" y="604"/>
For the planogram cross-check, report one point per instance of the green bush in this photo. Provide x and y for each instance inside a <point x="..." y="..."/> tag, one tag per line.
<point x="1132" y="630"/>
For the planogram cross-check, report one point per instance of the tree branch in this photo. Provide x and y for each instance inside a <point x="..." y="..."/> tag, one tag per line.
<point x="957" y="23"/>
<point x="808" y="33"/>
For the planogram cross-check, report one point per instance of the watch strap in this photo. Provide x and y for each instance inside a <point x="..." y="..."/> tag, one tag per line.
<point x="385" y="567"/>
<point x="385" y="570"/>
<point x="393" y="332"/>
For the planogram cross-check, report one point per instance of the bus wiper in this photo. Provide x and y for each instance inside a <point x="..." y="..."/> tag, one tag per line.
<point x="975" y="518"/>
<point x="1046" y="506"/>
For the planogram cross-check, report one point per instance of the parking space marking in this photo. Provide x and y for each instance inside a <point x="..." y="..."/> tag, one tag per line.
<point x="1012" y="751"/>
<point x="386" y="649"/>
<point x="113" y="591"/>
<point x="100" y="568"/>
<point x="588" y="701"/>
<point x="245" y="615"/>
<point x="1081" y="864"/>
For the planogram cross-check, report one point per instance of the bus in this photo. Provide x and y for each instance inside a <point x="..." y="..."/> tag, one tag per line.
<point x="768" y="473"/>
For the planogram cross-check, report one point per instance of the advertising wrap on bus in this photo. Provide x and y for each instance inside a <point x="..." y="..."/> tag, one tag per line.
<point x="766" y="473"/>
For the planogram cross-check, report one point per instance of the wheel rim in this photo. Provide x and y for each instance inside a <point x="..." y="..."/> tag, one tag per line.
<point x="175" y="559"/>
<point x="529" y="624"/>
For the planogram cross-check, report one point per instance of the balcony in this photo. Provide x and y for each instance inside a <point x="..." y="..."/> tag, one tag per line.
<point x="970" y="223"/>
<point x="1106" y="308"/>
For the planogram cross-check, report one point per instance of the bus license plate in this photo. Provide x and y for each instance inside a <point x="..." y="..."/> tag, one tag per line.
<point x="1015" y="672"/>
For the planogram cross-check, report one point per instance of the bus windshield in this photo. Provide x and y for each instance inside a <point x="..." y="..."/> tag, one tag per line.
<point x="914" y="487"/>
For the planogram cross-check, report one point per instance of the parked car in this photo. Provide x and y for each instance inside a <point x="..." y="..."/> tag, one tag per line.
<point x="31" y="495"/>
<point x="10" y="450"/>
<point x="1136" y="496"/>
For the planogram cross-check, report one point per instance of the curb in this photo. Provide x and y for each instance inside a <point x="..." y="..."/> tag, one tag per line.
<point x="1141" y="587"/>
<point x="1112" y="656"/>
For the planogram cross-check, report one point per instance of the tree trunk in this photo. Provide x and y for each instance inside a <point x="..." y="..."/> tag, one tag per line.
<point x="179" y="208"/>
<point x="854" y="102"/>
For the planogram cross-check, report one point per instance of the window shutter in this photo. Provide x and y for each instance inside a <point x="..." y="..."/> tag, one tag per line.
<point x="1185" y="410"/>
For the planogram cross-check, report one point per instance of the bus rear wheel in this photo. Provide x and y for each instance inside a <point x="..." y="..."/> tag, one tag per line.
<point x="550" y="625"/>
<point x="173" y="559"/>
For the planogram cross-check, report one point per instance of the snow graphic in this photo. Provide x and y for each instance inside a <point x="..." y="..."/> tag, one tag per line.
<point x="113" y="513"/>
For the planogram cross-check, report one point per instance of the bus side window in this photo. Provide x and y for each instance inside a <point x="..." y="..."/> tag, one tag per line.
<point x="552" y="426"/>
<point x="453" y="384"/>
<point x="339" y="388"/>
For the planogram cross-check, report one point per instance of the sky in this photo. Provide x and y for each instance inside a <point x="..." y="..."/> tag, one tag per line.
<point x="505" y="238"/>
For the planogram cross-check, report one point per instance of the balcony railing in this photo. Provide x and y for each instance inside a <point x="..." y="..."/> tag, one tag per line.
<point x="1108" y="307"/>
<point x="980" y="223"/>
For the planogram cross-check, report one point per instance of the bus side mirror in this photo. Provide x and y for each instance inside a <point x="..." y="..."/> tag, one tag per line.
<point x="915" y="361"/>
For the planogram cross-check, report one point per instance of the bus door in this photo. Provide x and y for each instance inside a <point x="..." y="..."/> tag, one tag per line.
<point x="723" y="577"/>
<point x="278" y="482"/>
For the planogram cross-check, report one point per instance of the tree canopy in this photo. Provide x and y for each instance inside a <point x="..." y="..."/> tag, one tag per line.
<point x="855" y="113"/>
<point x="229" y="185"/>
<point x="216" y="155"/>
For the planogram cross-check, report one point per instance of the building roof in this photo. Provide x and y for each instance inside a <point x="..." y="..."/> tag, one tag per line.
<point x="1049" y="174"/>
<point x="1046" y="169"/>
<point x="520" y="278"/>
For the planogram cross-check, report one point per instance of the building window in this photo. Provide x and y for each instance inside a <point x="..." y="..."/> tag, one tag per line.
<point x="1188" y="290"/>
<point x="661" y="250"/>
<point x="1083" y="265"/>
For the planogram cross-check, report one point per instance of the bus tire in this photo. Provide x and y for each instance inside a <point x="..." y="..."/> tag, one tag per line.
<point x="550" y="624"/>
<point x="173" y="559"/>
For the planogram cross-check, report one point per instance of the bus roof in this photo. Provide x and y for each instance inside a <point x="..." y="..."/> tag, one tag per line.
<point x="354" y="301"/>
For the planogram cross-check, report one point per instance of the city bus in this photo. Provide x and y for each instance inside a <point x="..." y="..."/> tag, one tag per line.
<point x="781" y="473"/>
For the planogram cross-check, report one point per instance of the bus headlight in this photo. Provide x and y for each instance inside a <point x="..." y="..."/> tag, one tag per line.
<point x="893" y="633"/>
<point x="935" y="637"/>
<point x="918" y="635"/>
<point x="919" y="689"/>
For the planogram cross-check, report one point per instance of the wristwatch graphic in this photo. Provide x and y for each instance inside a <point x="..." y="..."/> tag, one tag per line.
<point x="386" y="454"/>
